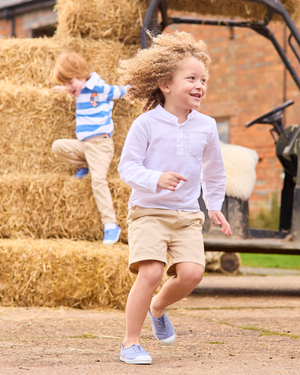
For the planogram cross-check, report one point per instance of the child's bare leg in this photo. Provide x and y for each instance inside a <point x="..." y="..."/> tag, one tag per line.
<point x="139" y="299"/>
<point x="188" y="277"/>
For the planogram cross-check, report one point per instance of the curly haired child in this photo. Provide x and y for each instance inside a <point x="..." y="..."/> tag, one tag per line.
<point x="93" y="149"/>
<point x="170" y="151"/>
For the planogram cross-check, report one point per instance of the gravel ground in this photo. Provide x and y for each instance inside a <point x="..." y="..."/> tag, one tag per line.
<point x="226" y="333"/>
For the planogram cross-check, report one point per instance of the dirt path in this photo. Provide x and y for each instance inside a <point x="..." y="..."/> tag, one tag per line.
<point x="215" y="335"/>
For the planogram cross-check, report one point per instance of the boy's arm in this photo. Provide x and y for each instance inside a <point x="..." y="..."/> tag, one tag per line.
<point x="131" y="166"/>
<point x="218" y="218"/>
<point x="213" y="173"/>
<point x="115" y="92"/>
<point x="214" y="181"/>
<point x="59" y="88"/>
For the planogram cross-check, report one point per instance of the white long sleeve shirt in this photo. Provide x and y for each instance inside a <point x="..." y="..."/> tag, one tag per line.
<point x="157" y="143"/>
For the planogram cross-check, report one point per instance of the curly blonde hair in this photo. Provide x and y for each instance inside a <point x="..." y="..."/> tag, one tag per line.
<point x="151" y="67"/>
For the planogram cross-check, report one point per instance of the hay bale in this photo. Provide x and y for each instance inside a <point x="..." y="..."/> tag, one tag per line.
<point x="69" y="273"/>
<point x="114" y="19"/>
<point x="31" y="61"/>
<point x="232" y="8"/>
<point x="32" y="118"/>
<point x="32" y="160"/>
<point x="55" y="273"/>
<point x="56" y="206"/>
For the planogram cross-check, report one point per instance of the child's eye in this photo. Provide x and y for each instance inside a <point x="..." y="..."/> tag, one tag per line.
<point x="203" y="80"/>
<point x="192" y="78"/>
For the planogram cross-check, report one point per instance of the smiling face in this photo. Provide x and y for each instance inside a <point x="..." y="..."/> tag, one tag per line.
<point x="75" y="85"/>
<point x="187" y="89"/>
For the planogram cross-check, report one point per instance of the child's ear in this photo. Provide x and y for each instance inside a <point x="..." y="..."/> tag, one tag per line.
<point x="164" y="87"/>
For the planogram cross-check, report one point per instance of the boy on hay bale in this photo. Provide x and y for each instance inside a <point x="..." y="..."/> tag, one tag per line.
<point x="93" y="150"/>
<point x="164" y="153"/>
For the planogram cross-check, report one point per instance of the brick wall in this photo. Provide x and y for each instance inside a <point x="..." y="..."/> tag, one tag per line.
<point x="27" y="22"/>
<point x="247" y="80"/>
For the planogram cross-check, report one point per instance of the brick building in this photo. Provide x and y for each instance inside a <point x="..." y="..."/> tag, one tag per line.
<point x="247" y="79"/>
<point x="27" y="18"/>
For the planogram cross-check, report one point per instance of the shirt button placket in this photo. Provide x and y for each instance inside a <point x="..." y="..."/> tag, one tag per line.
<point x="179" y="150"/>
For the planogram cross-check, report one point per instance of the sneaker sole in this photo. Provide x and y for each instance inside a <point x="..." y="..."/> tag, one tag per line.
<point x="168" y="341"/>
<point x="142" y="360"/>
<point x="111" y="242"/>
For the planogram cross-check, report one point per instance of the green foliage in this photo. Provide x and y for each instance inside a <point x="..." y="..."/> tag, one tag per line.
<point x="267" y="219"/>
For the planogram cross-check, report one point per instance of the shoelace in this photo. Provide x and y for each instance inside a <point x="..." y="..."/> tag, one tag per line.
<point x="136" y="348"/>
<point x="166" y="323"/>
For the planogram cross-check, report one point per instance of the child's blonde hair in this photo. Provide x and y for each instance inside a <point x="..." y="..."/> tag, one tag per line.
<point x="151" y="67"/>
<point x="70" y="65"/>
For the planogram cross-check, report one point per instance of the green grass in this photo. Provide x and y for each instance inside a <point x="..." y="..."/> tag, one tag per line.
<point x="267" y="219"/>
<point x="271" y="261"/>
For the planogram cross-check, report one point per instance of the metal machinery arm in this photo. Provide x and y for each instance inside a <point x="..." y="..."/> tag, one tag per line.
<point x="273" y="6"/>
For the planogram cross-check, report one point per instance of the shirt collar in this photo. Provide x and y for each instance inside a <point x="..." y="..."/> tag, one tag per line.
<point x="91" y="83"/>
<point x="174" y="118"/>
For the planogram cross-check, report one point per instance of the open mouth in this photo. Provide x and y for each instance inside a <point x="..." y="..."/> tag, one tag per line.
<point x="198" y="96"/>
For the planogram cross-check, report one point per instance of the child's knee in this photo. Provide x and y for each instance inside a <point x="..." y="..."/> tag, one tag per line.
<point x="191" y="277"/>
<point x="151" y="271"/>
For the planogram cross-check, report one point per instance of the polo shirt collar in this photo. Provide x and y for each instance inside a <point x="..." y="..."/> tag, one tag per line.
<point x="91" y="83"/>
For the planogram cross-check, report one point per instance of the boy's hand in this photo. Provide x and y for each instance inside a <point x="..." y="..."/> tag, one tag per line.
<point x="59" y="88"/>
<point x="170" y="180"/>
<point x="218" y="218"/>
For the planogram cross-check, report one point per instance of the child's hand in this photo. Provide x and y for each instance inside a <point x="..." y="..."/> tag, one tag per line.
<point x="170" y="180"/>
<point x="59" y="88"/>
<point x="218" y="218"/>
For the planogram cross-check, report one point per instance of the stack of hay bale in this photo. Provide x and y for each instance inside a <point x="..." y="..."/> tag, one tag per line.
<point x="47" y="217"/>
<point x="44" y="209"/>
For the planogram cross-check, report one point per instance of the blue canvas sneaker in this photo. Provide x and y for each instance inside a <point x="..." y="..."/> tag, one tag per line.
<point x="135" y="355"/>
<point x="162" y="328"/>
<point x="81" y="172"/>
<point x="111" y="236"/>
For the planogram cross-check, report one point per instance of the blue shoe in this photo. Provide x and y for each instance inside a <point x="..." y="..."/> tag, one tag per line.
<point x="135" y="355"/>
<point x="111" y="236"/>
<point x="162" y="328"/>
<point x="81" y="172"/>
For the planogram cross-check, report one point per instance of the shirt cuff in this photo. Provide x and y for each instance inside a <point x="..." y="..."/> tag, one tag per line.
<point x="154" y="181"/>
<point x="214" y="206"/>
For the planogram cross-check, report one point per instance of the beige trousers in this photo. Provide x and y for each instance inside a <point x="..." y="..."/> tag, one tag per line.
<point x="97" y="157"/>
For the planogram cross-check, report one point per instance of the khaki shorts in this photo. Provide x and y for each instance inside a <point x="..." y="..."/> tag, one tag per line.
<point x="153" y="233"/>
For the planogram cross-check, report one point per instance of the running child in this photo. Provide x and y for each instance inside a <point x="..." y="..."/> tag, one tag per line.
<point x="170" y="151"/>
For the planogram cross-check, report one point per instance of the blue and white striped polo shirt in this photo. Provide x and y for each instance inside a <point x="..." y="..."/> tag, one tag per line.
<point x="94" y="107"/>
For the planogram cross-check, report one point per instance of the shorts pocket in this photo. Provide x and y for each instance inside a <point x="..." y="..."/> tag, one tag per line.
<point x="197" y="142"/>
